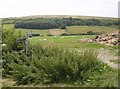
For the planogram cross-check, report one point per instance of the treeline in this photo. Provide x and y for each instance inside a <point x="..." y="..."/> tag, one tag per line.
<point x="49" y="23"/>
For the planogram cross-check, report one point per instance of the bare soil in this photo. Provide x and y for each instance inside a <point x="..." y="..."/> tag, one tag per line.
<point x="56" y="32"/>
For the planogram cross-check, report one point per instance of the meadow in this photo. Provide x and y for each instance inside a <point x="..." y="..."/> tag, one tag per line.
<point x="32" y="31"/>
<point x="69" y="29"/>
<point x="69" y="41"/>
<point x="84" y="29"/>
<point x="66" y="41"/>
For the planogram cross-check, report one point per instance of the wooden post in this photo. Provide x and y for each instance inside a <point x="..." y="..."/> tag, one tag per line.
<point x="19" y="40"/>
<point x="27" y="45"/>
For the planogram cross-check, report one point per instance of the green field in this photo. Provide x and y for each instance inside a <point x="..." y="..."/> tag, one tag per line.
<point x="70" y="29"/>
<point x="33" y="31"/>
<point x="84" y="29"/>
<point x="61" y="41"/>
<point x="70" y="42"/>
<point x="65" y="41"/>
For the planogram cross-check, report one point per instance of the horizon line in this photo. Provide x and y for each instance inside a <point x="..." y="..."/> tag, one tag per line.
<point x="59" y="15"/>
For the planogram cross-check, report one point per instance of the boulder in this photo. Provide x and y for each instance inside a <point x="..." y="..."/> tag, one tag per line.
<point x="107" y="39"/>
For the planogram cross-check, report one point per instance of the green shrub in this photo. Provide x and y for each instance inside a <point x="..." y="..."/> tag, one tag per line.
<point x="9" y="38"/>
<point x="65" y="34"/>
<point x="92" y="33"/>
<point x="50" y="65"/>
<point x="49" y="35"/>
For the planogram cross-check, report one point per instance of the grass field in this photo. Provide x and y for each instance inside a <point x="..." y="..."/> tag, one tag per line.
<point x="45" y="32"/>
<point x="61" y="41"/>
<point x="70" y="29"/>
<point x="56" y="32"/>
<point x="33" y="31"/>
<point x="84" y="29"/>
<point x="71" y="42"/>
<point x="65" y="41"/>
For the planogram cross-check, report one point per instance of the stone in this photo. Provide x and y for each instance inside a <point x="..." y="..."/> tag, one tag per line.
<point x="107" y="39"/>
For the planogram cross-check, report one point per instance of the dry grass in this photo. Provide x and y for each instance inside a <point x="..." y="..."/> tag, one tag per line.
<point x="56" y="32"/>
<point x="8" y="82"/>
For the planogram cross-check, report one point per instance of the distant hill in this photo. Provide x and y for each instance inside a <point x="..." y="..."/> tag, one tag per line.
<point x="66" y="16"/>
<point x="58" y="21"/>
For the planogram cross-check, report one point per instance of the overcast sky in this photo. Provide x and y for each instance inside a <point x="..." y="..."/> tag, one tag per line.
<point x="16" y="8"/>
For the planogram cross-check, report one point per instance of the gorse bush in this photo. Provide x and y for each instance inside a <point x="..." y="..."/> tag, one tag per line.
<point x="9" y="38"/>
<point x="50" y="65"/>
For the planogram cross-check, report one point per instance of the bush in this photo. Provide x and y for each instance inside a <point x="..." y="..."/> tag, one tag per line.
<point x="36" y="34"/>
<point x="9" y="38"/>
<point x="62" y="27"/>
<point x="92" y="33"/>
<point x="49" y="35"/>
<point x="50" y="65"/>
<point x="65" y="34"/>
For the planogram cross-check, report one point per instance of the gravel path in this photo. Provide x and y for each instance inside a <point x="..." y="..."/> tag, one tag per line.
<point x="105" y="56"/>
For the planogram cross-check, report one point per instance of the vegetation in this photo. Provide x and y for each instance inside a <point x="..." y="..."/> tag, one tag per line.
<point x="52" y="65"/>
<point x="115" y="61"/>
<point x="50" y="23"/>
<point x="56" y="60"/>
<point x="84" y="29"/>
<point x="49" y="65"/>
<point x="9" y="38"/>
<point x="35" y="31"/>
<point x="70" y="30"/>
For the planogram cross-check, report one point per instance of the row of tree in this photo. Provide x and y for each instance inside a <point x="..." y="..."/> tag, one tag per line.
<point x="49" y="23"/>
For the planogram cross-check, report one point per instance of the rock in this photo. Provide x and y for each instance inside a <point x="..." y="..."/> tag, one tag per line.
<point x="87" y="40"/>
<point x="90" y="41"/>
<point x="107" y="39"/>
<point x="114" y="41"/>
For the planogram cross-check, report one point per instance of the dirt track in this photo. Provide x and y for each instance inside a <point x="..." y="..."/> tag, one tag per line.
<point x="105" y="56"/>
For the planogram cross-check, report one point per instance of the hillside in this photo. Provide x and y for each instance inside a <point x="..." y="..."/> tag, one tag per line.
<point x="67" y="16"/>
<point x="63" y="16"/>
